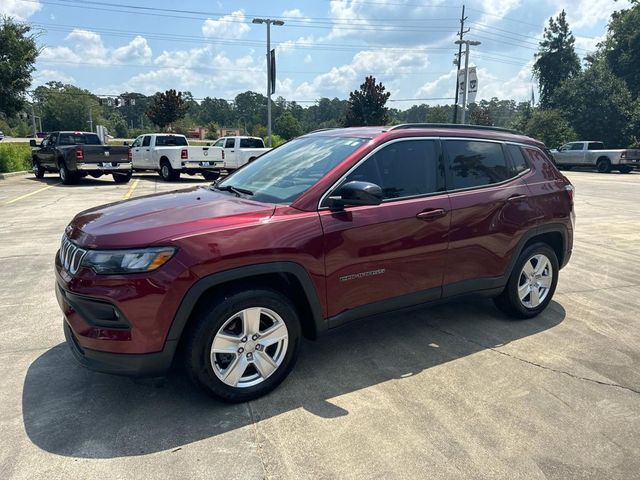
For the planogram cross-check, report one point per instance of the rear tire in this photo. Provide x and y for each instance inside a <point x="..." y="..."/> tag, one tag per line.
<point x="122" y="177"/>
<point x="211" y="176"/>
<point x="167" y="172"/>
<point x="532" y="283"/>
<point x="66" y="177"/>
<point x="243" y="345"/>
<point x="625" y="169"/>
<point x="603" y="165"/>
<point x="38" y="170"/>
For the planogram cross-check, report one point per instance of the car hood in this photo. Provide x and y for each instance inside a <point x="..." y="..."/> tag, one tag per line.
<point x="162" y="217"/>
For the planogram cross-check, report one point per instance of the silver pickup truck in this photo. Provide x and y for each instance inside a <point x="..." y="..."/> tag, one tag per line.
<point x="593" y="154"/>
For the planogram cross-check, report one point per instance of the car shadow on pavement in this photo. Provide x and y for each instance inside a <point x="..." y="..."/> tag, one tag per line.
<point x="70" y="411"/>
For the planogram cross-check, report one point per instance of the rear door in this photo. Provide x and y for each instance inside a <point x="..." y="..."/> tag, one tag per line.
<point x="230" y="156"/>
<point x="136" y="153"/>
<point x="393" y="253"/>
<point x="489" y="211"/>
<point x="146" y="153"/>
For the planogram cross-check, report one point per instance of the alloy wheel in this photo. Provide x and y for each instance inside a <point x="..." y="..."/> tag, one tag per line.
<point x="535" y="281"/>
<point x="249" y="347"/>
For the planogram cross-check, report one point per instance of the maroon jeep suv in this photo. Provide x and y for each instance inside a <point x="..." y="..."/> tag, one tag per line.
<point x="333" y="226"/>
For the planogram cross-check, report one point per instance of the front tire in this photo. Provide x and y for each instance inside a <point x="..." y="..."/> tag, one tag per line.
<point x="38" y="170"/>
<point x="244" y="345"/>
<point x="532" y="283"/>
<point x="625" y="169"/>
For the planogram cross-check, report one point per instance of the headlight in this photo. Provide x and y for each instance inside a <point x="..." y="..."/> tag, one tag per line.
<point x="127" y="261"/>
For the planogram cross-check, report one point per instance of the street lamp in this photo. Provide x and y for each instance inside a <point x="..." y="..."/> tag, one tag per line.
<point x="466" y="43"/>
<point x="268" y="22"/>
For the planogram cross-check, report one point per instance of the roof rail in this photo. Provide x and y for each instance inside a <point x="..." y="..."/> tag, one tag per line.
<point x="321" y="130"/>
<point x="406" y="126"/>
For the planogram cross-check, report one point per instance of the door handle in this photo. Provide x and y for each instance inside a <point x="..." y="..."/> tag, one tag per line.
<point x="232" y="151"/>
<point x="515" y="198"/>
<point x="432" y="214"/>
<point x="148" y="150"/>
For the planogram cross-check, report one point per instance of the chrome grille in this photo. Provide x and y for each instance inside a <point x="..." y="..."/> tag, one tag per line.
<point x="71" y="255"/>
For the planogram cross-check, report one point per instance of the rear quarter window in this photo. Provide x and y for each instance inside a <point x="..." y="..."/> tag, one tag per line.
<point x="518" y="162"/>
<point x="251" y="143"/>
<point x="475" y="163"/>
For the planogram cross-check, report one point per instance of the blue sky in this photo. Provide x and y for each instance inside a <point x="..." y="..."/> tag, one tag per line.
<point x="325" y="48"/>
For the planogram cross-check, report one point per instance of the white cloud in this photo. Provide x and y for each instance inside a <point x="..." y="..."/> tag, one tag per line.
<point x="308" y="58"/>
<point x="497" y="9"/>
<point x="43" y="76"/>
<point x="19" y="9"/>
<point x="202" y="68"/>
<point x="341" y="79"/>
<point x="293" y="13"/>
<point x="588" y="44"/>
<point x="86" y="46"/>
<point x="587" y="13"/>
<point x="228" y="26"/>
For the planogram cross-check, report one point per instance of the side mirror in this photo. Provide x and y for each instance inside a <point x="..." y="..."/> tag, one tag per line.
<point x="559" y="148"/>
<point x="126" y="144"/>
<point x="32" y="143"/>
<point x="356" y="194"/>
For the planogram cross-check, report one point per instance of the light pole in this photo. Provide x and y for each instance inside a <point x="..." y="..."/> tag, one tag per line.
<point x="269" y="22"/>
<point x="466" y="43"/>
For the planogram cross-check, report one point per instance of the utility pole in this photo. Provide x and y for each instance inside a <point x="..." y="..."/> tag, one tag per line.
<point x="466" y="74"/>
<point x="33" y="121"/>
<point x="268" y="22"/>
<point x="90" y="120"/>
<point x="457" y="62"/>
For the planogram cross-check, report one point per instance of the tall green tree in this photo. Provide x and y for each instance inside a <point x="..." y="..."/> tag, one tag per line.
<point x="18" y="53"/>
<point x="598" y="105"/>
<point x="622" y="46"/>
<point x="550" y="127"/>
<point x="367" y="106"/>
<point x="67" y="107"/>
<point x="287" y="126"/>
<point x="166" y="108"/>
<point x="556" y="60"/>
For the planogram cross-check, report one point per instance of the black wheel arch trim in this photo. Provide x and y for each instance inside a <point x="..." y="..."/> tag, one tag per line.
<point x="197" y="289"/>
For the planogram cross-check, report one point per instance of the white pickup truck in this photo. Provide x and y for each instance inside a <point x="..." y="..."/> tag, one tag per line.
<point x="593" y="154"/>
<point x="234" y="152"/>
<point x="170" y="155"/>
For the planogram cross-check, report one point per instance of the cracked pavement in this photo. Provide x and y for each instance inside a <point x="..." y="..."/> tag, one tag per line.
<point x="453" y="391"/>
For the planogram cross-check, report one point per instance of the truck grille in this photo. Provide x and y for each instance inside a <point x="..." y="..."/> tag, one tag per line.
<point x="71" y="255"/>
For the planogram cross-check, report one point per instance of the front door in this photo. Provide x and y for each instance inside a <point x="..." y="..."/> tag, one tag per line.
<point x="390" y="255"/>
<point x="136" y="154"/>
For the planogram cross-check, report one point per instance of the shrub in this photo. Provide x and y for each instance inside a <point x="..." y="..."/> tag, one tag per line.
<point x="15" y="157"/>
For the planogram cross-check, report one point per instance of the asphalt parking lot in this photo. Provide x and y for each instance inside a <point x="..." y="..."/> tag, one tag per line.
<point x="455" y="391"/>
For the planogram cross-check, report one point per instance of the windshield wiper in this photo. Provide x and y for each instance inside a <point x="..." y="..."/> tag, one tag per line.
<point x="237" y="190"/>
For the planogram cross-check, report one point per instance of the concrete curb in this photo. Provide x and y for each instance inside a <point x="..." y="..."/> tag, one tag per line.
<point x="12" y="174"/>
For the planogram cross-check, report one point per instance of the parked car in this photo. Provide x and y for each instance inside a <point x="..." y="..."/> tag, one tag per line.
<point x="231" y="153"/>
<point x="593" y="154"/>
<point x="332" y="226"/>
<point x="77" y="154"/>
<point x="170" y="155"/>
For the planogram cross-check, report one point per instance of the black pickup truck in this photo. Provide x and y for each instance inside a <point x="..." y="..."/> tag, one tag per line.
<point x="77" y="154"/>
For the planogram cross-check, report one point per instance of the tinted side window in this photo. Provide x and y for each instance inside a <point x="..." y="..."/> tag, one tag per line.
<point x="230" y="143"/>
<point x="475" y="163"/>
<point x="595" y="146"/>
<point x="219" y="143"/>
<point x="251" y="143"/>
<point x="575" y="146"/>
<point x="146" y="141"/>
<point x="517" y="159"/>
<point x="403" y="169"/>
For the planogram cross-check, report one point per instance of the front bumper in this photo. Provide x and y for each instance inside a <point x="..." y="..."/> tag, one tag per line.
<point x="105" y="167"/>
<point x="136" y="365"/>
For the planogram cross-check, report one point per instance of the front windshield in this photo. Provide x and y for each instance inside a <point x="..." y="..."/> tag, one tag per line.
<point x="285" y="173"/>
